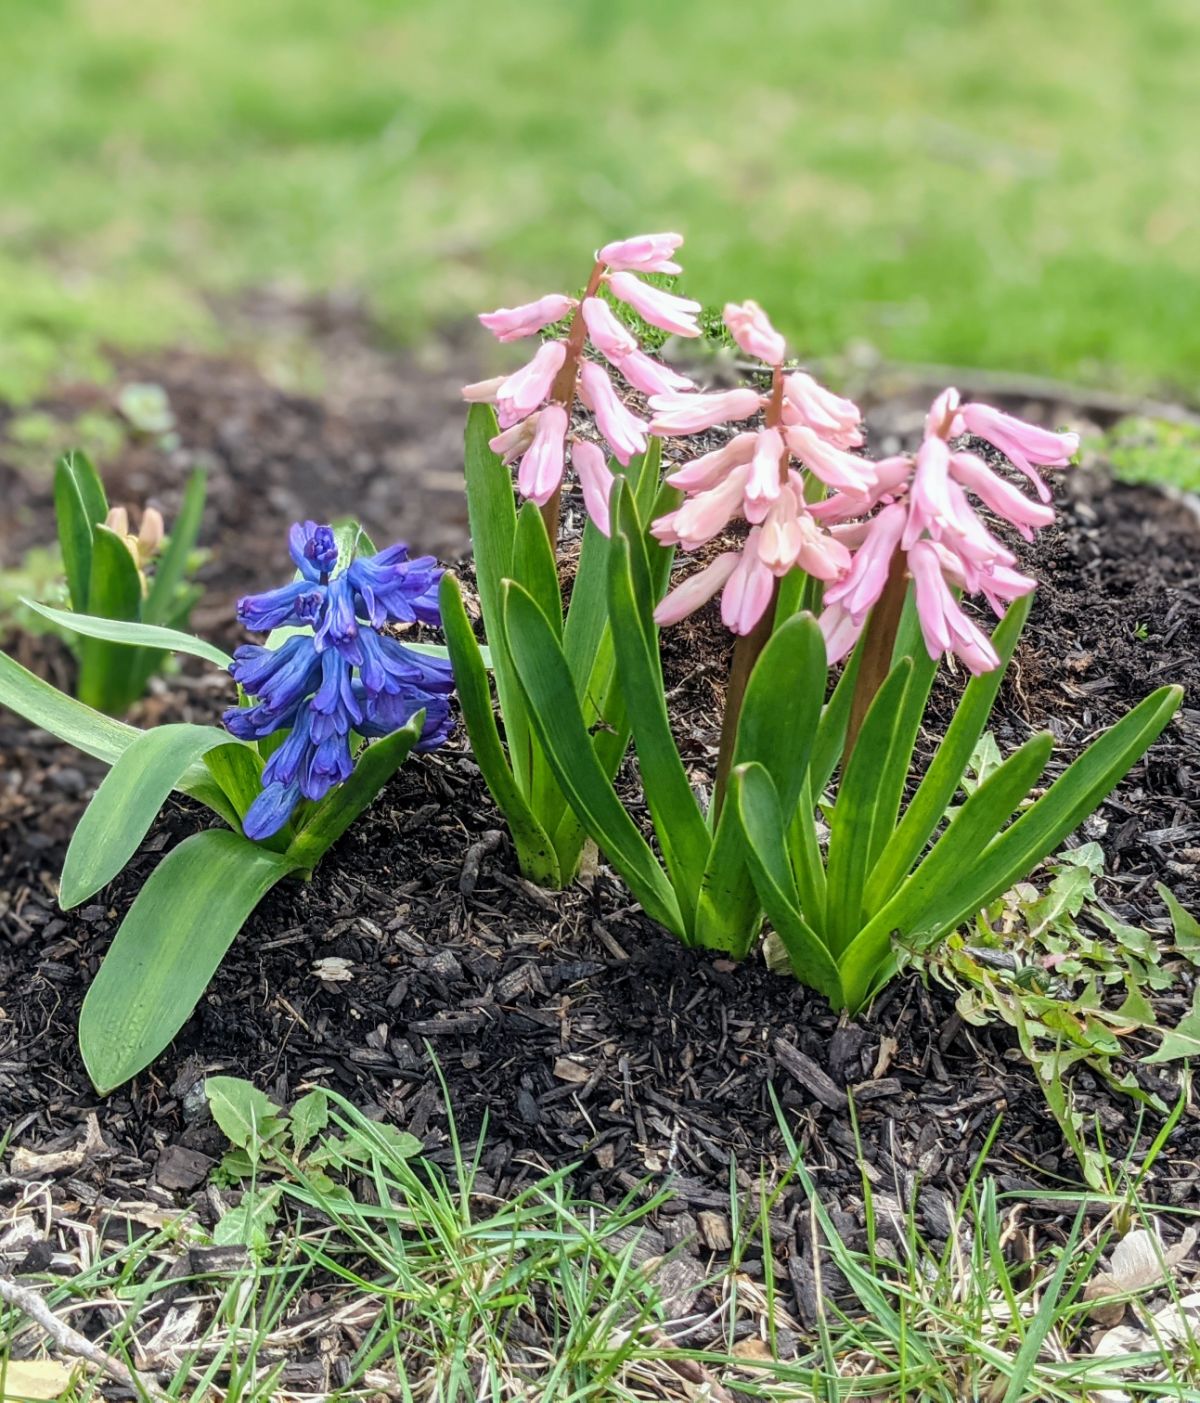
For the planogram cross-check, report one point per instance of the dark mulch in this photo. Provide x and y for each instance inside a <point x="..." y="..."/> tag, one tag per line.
<point x="577" y="1031"/>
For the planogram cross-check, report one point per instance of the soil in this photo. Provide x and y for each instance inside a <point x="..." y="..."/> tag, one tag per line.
<point x="570" y="1025"/>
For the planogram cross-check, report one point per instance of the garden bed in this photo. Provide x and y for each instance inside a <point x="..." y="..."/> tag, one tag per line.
<point x="579" y="1032"/>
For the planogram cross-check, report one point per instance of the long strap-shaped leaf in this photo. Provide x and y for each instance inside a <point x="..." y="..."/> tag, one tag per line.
<point x="79" y="505"/>
<point x="831" y="734"/>
<point x="553" y="707"/>
<point x="1069" y="800"/>
<point x="91" y="731"/>
<point x="947" y="871"/>
<point x="106" y="674"/>
<point x="134" y="634"/>
<point x="534" y="851"/>
<point x="682" y="832"/>
<point x="854" y="813"/>
<point x="755" y="801"/>
<point x="126" y="803"/>
<point x="492" y="516"/>
<point x="945" y="771"/>
<point x="168" y="948"/>
<point x="171" y="567"/>
<point x="777" y="727"/>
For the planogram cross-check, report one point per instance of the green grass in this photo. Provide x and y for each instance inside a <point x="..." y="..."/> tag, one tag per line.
<point x="984" y="182"/>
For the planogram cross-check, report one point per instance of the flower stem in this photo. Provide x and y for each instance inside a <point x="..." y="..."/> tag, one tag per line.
<point x="878" y="646"/>
<point x="563" y="390"/>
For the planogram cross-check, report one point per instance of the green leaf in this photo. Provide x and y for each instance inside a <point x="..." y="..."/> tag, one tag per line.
<point x="945" y="772"/>
<point x="554" y="710"/>
<point x="683" y="835"/>
<point x="1182" y="1041"/>
<point x="171" y="566"/>
<point x="106" y="673"/>
<point x="79" y="505"/>
<point x="940" y="893"/>
<point x="126" y="804"/>
<point x="534" y="851"/>
<point x="854" y="814"/>
<point x="1186" y="926"/>
<point x="893" y="776"/>
<point x="237" y="769"/>
<point x="754" y="799"/>
<point x="168" y="948"/>
<point x="129" y="632"/>
<point x="245" y="1114"/>
<point x="329" y="819"/>
<point x="831" y="733"/>
<point x="310" y="1116"/>
<point x="533" y="564"/>
<point x="91" y="731"/>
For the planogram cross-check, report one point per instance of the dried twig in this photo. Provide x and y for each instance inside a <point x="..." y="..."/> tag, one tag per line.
<point x="72" y="1342"/>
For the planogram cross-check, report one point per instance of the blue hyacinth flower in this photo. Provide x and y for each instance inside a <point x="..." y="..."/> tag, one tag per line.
<point x="339" y="678"/>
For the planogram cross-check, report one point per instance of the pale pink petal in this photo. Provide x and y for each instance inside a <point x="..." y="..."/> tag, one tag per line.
<point x="661" y="309"/>
<point x="625" y="432"/>
<point x="512" y="323"/>
<point x="942" y="418"/>
<point x="510" y="443"/>
<point x="644" y="253"/>
<point x="607" y="334"/>
<point x="702" y="516"/>
<point x="751" y="328"/>
<point x="868" y="573"/>
<point x="650" y="376"/>
<point x="525" y="389"/>
<point x="750" y="589"/>
<point x="929" y="500"/>
<point x="1026" y="446"/>
<point x="1000" y="496"/>
<point x="691" y="414"/>
<point x="696" y="590"/>
<point x="805" y="401"/>
<point x="596" y="480"/>
<point x="840" y="631"/>
<point x="541" y="470"/>
<point x="483" y="391"/>
<point x="706" y="471"/>
<point x="1001" y="585"/>
<point x="944" y="625"/>
<point x="834" y="466"/>
<point x="763" y="483"/>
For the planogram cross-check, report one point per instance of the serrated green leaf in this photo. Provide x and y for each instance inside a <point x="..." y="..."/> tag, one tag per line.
<point x="1185" y="925"/>
<point x="127" y="803"/>
<point x="168" y="947"/>
<point x="310" y="1116"/>
<point x="1182" y="1041"/>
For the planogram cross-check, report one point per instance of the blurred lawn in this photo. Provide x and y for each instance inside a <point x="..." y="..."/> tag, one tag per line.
<point x="1006" y="183"/>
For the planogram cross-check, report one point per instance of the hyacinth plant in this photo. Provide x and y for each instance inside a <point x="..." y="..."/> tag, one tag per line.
<point x="287" y="774"/>
<point x="115" y="573"/>
<point x="526" y="418"/>
<point x="881" y="551"/>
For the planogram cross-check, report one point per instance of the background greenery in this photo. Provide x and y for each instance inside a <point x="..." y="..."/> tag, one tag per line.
<point x="990" y="182"/>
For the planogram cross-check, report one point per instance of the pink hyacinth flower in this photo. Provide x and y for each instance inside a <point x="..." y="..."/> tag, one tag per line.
<point x="834" y="466"/>
<point x="607" y="334"/>
<point x="751" y="329"/>
<point x="512" y="323"/>
<point x="625" y="432"/>
<point x="835" y="419"/>
<point x="650" y="376"/>
<point x="929" y="506"/>
<point x="860" y="590"/>
<point x="709" y="469"/>
<point x="644" y="253"/>
<point x="661" y="309"/>
<point x="541" y="470"/>
<point x="697" y="589"/>
<point x="840" y="632"/>
<point x="596" y="480"/>
<point x="525" y="389"/>
<point x="791" y="537"/>
<point x="942" y="420"/>
<point x="750" y="589"/>
<point x="701" y="517"/>
<point x="691" y="414"/>
<point x="945" y="627"/>
<point x="1000" y="496"/>
<point x="1025" y="445"/>
<point x="511" y="443"/>
<point x="1001" y="585"/>
<point x="483" y="391"/>
<point x="763" y="483"/>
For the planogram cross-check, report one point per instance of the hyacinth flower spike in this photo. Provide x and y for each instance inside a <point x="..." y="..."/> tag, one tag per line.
<point x="341" y="676"/>
<point x="534" y="403"/>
